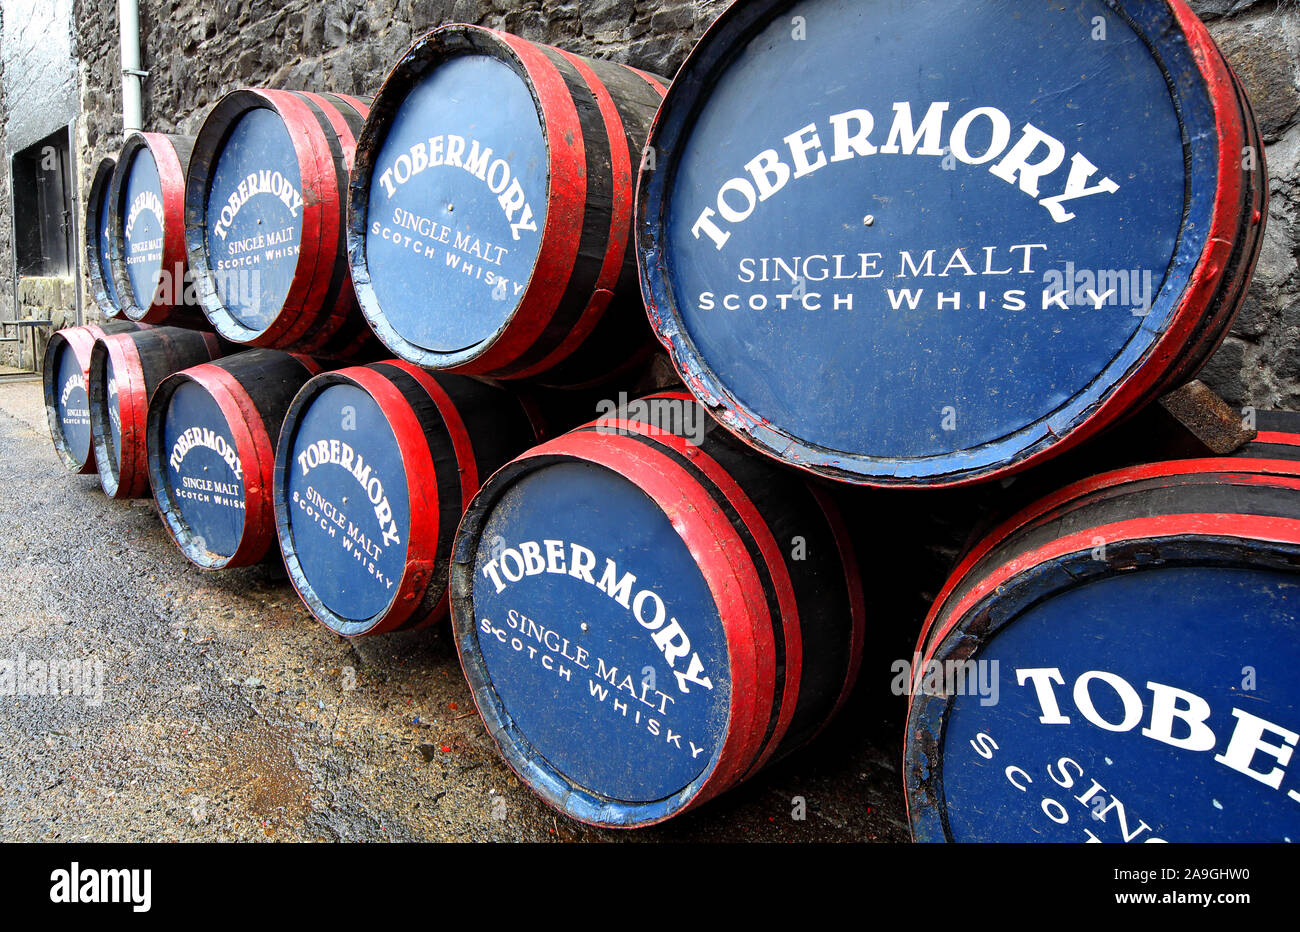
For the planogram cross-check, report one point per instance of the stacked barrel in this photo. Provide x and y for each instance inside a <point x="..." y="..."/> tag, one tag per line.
<point x="211" y="437"/>
<point x="898" y="277"/>
<point x="1141" y="624"/>
<point x="375" y="466"/>
<point x="264" y="209"/>
<point x="98" y="233"/>
<point x="67" y="398"/>
<point x="146" y="234"/>
<point x="125" y="369"/>
<point x="490" y="217"/>
<point x="904" y="275"/>
<point x="636" y="631"/>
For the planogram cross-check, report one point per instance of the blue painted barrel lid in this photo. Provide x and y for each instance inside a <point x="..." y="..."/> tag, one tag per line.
<point x="142" y="214"/>
<point x="579" y="694"/>
<point x="253" y="218"/>
<point x="1079" y="677"/>
<point x="923" y="258"/>
<point x="456" y="205"/>
<point x="203" y="471"/>
<point x="348" y="506"/>
<point x="72" y="404"/>
<point x="103" y="237"/>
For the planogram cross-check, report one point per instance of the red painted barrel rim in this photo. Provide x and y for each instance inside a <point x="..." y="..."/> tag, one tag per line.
<point x="620" y="223"/>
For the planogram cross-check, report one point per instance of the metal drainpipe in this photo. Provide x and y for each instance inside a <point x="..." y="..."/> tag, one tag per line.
<point x="128" y="15"/>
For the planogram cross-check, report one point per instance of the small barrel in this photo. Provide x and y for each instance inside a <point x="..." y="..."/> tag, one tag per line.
<point x="99" y="262"/>
<point x="147" y="230"/>
<point x="965" y="257"/>
<point x="489" y="225"/>
<point x="373" y="469"/>
<point x="647" y="614"/>
<point x="125" y="368"/>
<point x="264" y="221"/>
<point x="1112" y="663"/>
<point x="67" y="404"/>
<point x="211" y="435"/>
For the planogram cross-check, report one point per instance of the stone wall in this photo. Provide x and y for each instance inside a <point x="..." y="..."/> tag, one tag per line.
<point x="1259" y="362"/>
<point x="196" y="50"/>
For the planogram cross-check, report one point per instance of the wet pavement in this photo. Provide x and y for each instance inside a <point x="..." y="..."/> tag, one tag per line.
<point x="211" y="706"/>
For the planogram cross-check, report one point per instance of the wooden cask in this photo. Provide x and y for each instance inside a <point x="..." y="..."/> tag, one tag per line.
<point x="125" y="368"/>
<point x="98" y="233"/>
<point x="489" y="224"/>
<point x="374" y="467"/>
<point x="1110" y="664"/>
<point x="647" y="614"/>
<point x="147" y="231"/>
<point x="959" y="261"/>
<point x="65" y="374"/>
<point x="210" y="437"/>
<point x="265" y="198"/>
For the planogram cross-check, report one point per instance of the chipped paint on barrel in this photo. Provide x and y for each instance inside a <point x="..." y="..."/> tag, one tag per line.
<point x="458" y="197"/>
<point x="962" y="269"/>
<point x="1126" y="634"/>
<point x="348" y="507"/>
<point x="254" y="218"/>
<point x="203" y="469"/>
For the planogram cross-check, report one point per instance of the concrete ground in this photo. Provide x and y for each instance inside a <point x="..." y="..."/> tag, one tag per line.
<point x="228" y="713"/>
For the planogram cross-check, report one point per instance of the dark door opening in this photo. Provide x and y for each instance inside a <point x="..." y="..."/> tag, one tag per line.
<point x="44" y="238"/>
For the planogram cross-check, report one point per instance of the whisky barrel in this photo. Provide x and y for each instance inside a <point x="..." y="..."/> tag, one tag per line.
<point x="962" y="260"/>
<point x="99" y="266"/>
<point x="264" y="211"/>
<point x="373" y="469"/>
<point x="647" y="614"/>
<point x="125" y="368"/>
<point x="1126" y="638"/>
<point x="147" y="230"/>
<point x="210" y="438"/>
<point x="67" y="405"/>
<point x="490" y="218"/>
